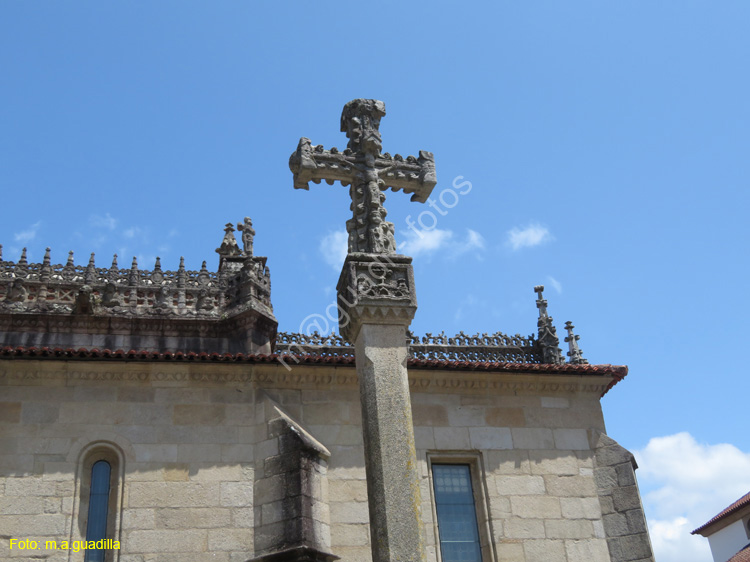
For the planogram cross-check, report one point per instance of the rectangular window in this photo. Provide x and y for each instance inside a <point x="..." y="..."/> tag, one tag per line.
<point x="456" y="513"/>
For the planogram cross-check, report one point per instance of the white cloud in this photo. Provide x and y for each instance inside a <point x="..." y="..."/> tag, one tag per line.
<point x="334" y="247"/>
<point x="106" y="221"/>
<point x="27" y="235"/>
<point x="429" y="241"/>
<point x="474" y="241"/>
<point x="684" y="484"/>
<point x="532" y="235"/>
<point x="469" y="302"/>
<point x="132" y="232"/>
<point x="556" y="285"/>
<point x="424" y="241"/>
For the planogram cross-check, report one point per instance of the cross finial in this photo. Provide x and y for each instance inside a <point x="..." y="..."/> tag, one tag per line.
<point x="368" y="172"/>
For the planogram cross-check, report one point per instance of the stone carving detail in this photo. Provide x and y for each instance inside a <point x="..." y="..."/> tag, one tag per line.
<point x="477" y="348"/>
<point x="242" y="282"/>
<point x="368" y="173"/>
<point x="248" y="233"/>
<point x="497" y="347"/>
<point x="229" y="245"/>
<point x="84" y="303"/>
<point x="575" y="353"/>
<point x="547" y="338"/>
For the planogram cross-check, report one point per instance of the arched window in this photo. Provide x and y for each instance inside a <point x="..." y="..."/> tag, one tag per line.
<point x="96" y="523"/>
<point x="98" y="501"/>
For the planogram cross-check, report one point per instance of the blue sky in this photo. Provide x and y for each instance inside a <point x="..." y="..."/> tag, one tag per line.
<point x="606" y="145"/>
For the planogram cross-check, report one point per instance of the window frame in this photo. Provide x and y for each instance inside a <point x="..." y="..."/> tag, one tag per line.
<point x="481" y="498"/>
<point x="90" y="455"/>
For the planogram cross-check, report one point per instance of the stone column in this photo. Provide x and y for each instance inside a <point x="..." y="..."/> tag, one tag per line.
<point x="377" y="303"/>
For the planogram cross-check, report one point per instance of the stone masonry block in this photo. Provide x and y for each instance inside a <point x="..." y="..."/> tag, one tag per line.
<point x="591" y="550"/>
<point x="507" y="462"/>
<point x="544" y="550"/>
<point x="580" y="508"/>
<point x="626" y="498"/>
<point x="615" y="525"/>
<point x="535" y="507"/>
<point x="625" y="474"/>
<point x="10" y="412"/>
<point x="504" y="417"/>
<point x="532" y="438"/>
<point x="576" y="486"/>
<point x="194" y="540"/>
<point x="630" y="548"/>
<point x="519" y="485"/>
<point x="574" y="439"/>
<point x="636" y="521"/>
<point x="553" y="462"/>
<point x="20" y="526"/>
<point x="29" y="487"/>
<point x="350" y="535"/>
<point x="347" y="491"/>
<point x="613" y="455"/>
<point x="466" y="416"/>
<point x="424" y="438"/>
<point x="143" y="519"/>
<point x="20" y="505"/>
<point x="510" y="552"/>
<point x="605" y="478"/>
<point x="350" y="512"/>
<point x="569" y="529"/>
<point x="516" y="528"/>
<point x="237" y="494"/>
<point x="172" y="494"/>
<point x="490" y="438"/>
<point x="230" y="539"/>
<point x="452" y="438"/>
<point x="430" y="415"/>
<point x="555" y="402"/>
<point x="208" y="414"/>
<point x="499" y="509"/>
<point x="607" y="504"/>
<point x="39" y="412"/>
<point x="192" y="518"/>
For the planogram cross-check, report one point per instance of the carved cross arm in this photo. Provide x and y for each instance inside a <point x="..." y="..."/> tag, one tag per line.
<point x="313" y="164"/>
<point x="410" y="174"/>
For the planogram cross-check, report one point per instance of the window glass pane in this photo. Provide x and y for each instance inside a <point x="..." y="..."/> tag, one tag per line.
<point x="456" y="513"/>
<point x="96" y="528"/>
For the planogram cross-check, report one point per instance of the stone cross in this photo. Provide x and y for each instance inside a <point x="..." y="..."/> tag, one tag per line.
<point x="368" y="173"/>
<point x="377" y="302"/>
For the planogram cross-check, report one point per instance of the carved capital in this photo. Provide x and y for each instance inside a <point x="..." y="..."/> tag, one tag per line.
<point x="375" y="289"/>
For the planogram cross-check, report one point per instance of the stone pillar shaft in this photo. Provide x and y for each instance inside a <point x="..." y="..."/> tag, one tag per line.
<point x="377" y="303"/>
<point x="390" y="456"/>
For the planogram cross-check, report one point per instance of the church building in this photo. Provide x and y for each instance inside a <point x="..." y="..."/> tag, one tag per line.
<point x="157" y="415"/>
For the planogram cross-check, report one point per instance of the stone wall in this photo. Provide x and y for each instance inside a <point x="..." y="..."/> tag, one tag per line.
<point x="191" y="438"/>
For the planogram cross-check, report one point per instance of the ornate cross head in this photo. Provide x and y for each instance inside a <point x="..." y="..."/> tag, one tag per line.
<point x="368" y="173"/>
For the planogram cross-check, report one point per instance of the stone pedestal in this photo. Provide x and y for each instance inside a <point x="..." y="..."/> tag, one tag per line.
<point x="377" y="303"/>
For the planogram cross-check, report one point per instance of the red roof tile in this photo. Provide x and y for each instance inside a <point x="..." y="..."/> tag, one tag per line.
<point x="742" y="556"/>
<point x="736" y="506"/>
<point x="617" y="372"/>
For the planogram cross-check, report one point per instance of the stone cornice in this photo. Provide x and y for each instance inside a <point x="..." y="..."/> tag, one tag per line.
<point x="304" y="376"/>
